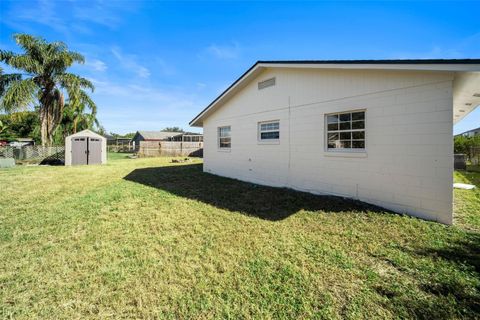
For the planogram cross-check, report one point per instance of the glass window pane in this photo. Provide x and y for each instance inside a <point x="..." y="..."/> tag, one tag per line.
<point x="333" y="126"/>
<point x="358" y="115"/>
<point x="340" y="134"/>
<point x="332" y="118"/>
<point x="358" y="124"/>
<point x="224" y="131"/>
<point x="345" y="144"/>
<point x="345" y="117"/>
<point x="332" y="144"/>
<point x="345" y="126"/>
<point x="332" y="136"/>
<point x="270" y="135"/>
<point x="224" y="140"/>
<point x="358" y="145"/>
<point x="269" y="126"/>
<point x="358" y="135"/>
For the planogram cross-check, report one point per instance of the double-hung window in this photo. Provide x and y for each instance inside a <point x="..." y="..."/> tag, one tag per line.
<point x="224" y="137"/>
<point x="346" y="131"/>
<point x="269" y="130"/>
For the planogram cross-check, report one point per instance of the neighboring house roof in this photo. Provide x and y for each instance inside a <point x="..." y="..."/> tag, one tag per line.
<point x="192" y="134"/>
<point x="455" y="65"/>
<point x="157" y="135"/>
<point x="470" y="131"/>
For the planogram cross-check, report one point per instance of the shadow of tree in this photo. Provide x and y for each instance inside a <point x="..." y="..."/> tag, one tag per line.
<point x="268" y="203"/>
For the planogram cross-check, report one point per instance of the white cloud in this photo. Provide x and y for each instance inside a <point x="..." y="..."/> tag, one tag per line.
<point x="146" y="96"/>
<point x="129" y="62"/>
<point x="461" y="49"/>
<point x="435" y="53"/>
<point x="226" y="52"/>
<point x="67" y="17"/>
<point x="96" y="65"/>
<point x="201" y="85"/>
<point x="127" y="107"/>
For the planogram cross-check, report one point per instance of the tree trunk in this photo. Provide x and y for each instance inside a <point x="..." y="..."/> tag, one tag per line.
<point x="44" y="125"/>
<point x="51" y="109"/>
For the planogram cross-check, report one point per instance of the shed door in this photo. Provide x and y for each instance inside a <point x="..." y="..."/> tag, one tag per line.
<point x="94" y="151"/>
<point x="79" y="151"/>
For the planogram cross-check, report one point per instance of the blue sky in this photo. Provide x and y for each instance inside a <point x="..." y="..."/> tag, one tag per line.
<point x="157" y="64"/>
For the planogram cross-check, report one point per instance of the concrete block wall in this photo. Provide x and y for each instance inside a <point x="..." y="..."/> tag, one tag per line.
<point x="408" y="162"/>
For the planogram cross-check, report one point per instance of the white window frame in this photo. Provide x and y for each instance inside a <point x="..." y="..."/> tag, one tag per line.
<point x="260" y="131"/>
<point x="346" y="150"/>
<point x="218" y="138"/>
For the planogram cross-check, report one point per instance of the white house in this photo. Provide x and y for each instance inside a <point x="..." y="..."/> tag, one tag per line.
<point x="375" y="130"/>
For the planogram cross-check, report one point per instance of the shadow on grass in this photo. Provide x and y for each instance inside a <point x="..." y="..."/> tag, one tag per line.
<point x="450" y="285"/>
<point x="268" y="203"/>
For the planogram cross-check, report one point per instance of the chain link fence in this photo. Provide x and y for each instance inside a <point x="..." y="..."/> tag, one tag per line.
<point x="33" y="154"/>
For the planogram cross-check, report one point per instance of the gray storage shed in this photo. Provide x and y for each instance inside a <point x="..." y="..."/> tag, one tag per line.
<point x="84" y="148"/>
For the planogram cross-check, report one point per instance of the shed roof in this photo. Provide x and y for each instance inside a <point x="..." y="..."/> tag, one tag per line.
<point x="158" y="135"/>
<point x="454" y="65"/>
<point x="86" y="133"/>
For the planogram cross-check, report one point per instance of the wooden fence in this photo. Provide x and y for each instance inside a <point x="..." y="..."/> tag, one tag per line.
<point x="170" y="149"/>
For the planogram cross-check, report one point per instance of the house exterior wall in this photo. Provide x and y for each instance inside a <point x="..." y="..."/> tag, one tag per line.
<point x="407" y="166"/>
<point x="136" y="141"/>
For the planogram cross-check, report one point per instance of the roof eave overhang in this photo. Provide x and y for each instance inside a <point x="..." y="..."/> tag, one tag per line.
<point x="469" y="66"/>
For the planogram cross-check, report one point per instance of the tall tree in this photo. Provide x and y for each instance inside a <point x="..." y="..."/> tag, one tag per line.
<point x="75" y="118"/>
<point x="173" y="129"/>
<point x="6" y="80"/>
<point x="44" y="80"/>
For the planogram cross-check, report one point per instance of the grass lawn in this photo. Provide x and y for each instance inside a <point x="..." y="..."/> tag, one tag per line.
<point x="117" y="155"/>
<point x="144" y="238"/>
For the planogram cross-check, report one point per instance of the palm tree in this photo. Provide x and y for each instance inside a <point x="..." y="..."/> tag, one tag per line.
<point x="75" y="118"/>
<point x="6" y="80"/>
<point x="3" y="127"/>
<point x="45" y="79"/>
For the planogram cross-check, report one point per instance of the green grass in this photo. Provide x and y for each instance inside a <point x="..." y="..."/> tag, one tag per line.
<point x="144" y="238"/>
<point x="117" y="155"/>
<point x="467" y="202"/>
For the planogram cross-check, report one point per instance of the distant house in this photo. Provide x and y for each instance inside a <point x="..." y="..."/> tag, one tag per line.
<point x="112" y="140"/>
<point x="373" y="130"/>
<point x="22" y="142"/>
<point x="471" y="133"/>
<point x="165" y="136"/>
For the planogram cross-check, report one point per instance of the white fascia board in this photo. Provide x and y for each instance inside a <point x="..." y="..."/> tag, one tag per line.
<point x="376" y="66"/>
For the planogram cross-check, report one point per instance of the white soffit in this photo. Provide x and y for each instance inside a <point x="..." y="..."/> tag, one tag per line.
<point x="466" y="94"/>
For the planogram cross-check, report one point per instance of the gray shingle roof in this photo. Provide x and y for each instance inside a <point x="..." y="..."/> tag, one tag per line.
<point x="158" y="135"/>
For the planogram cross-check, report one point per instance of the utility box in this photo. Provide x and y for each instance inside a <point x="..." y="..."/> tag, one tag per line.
<point x="460" y="161"/>
<point x="7" y="162"/>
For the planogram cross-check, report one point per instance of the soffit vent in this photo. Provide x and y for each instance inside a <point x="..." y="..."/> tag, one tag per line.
<point x="266" y="83"/>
